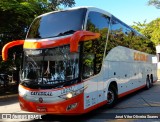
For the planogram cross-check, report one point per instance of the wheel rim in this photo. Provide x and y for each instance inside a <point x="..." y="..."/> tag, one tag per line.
<point x="110" y="97"/>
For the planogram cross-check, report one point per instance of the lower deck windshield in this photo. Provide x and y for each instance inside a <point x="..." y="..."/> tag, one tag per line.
<point x="50" y="68"/>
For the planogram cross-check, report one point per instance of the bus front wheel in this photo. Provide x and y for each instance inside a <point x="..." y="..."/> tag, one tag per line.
<point x="111" y="96"/>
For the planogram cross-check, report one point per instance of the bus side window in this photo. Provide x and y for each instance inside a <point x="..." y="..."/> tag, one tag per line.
<point x="120" y="35"/>
<point x="88" y="65"/>
<point x="93" y="50"/>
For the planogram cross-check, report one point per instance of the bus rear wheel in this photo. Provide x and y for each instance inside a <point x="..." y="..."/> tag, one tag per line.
<point x="151" y="80"/>
<point x="111" y="96"/>
<point x="148" y="83"/>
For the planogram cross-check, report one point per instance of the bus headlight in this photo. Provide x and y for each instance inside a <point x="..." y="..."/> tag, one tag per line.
<point x="22" y="92"/>
<point x="69" y="95"/>
<point x="72" y="94"/>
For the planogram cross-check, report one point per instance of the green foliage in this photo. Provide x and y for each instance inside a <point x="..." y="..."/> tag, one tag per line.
<point x="139" y="26"/>
<point x="54" y="4"/>
<point x="155" y="3"/>
<point x="150" y="30"/>
<point x="16" y="17"/>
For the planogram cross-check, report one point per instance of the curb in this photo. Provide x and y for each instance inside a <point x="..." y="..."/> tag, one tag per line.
<point x="8" y="96"/>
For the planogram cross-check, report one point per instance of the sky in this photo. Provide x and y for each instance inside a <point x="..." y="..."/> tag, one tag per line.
<point x="128" y="11"/>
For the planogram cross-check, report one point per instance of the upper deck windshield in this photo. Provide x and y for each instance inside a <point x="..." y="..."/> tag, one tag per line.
<point x="49" y="68"/>
<point x="57" y="24"/>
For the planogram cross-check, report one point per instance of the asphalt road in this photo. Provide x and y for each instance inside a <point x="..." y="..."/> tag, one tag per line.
<point x="143" y="102"/>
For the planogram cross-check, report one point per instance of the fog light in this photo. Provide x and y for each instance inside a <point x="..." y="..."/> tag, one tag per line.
<point x="72" y="106"/>
<point x="69" y="95"/>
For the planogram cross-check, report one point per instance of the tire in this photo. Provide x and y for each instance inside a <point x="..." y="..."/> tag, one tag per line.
<point x="151" y="80"/>
<point x="148" y="83"/>
<point x="111" y="96"/>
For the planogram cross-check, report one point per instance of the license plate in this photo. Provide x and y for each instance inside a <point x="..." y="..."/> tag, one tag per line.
<point x="41" y="109"/>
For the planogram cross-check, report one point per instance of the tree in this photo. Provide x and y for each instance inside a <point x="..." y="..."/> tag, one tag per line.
<point x="155" y="3"/>
<point x="139" y="26"/>
<point x="150" y="30"/>
<point x="17" y="15"/>
<point x="54" y="4"/>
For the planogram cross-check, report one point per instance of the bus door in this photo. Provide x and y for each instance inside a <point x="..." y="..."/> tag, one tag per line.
<point x="93" y="54"/>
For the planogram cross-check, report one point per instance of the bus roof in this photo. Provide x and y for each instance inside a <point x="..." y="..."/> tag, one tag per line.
<point x="92" y="8"/>
<point x="89" y="8"/>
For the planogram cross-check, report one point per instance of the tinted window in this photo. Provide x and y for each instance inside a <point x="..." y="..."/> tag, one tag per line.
<point x="120" y="34"/>
<point x="57" y="24"/>
<point x="93" y="50"/>
<point x="123" y="35"/>
<point x="49" y="68"/>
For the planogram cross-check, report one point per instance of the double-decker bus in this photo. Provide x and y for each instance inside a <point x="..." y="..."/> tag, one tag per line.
<point x="157" y="60"/>
<point x="79" y="59"/>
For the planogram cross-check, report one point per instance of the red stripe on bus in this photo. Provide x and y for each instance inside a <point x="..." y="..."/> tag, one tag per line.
<point x="95" y="106"/>
<point x="130" y="91"/>
<point x="56" y="107"/>
<point x="155" y="81"/>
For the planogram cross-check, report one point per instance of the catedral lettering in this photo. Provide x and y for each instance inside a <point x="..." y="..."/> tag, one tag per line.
<point x="76" y="60"/>
<point x="42" y="93"/>
<point x="140" y="57"/>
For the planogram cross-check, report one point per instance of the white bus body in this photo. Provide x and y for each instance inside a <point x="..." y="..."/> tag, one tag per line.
<point x="99" y="71"/>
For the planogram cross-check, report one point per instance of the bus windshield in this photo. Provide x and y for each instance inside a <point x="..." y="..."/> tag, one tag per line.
<point x="57" y="24"/>
<point x="46" y="68"/>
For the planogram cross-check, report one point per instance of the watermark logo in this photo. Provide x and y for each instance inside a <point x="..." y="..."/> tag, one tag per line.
<point x="27" y="116"/>
<point x="6" y="116"/>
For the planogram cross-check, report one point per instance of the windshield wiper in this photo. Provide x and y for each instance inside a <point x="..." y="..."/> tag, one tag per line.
<point x="66" y="33"/>
<point x="34" y="83"/>
<point x="62" y="34"/>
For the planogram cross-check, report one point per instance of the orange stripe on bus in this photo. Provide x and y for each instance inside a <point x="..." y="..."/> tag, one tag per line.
<point x="46" y="44"/>
<point x="72" y="40"/>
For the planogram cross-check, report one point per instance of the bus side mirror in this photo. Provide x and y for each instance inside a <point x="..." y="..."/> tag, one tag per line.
<point x="10" y="45"/>
<point x="81" y="36"/>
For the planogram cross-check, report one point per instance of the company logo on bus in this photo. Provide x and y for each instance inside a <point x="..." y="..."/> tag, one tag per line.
<point x="140" y="57"/>
<point x="40" y="99"/>
<point x="42" y="93"/>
